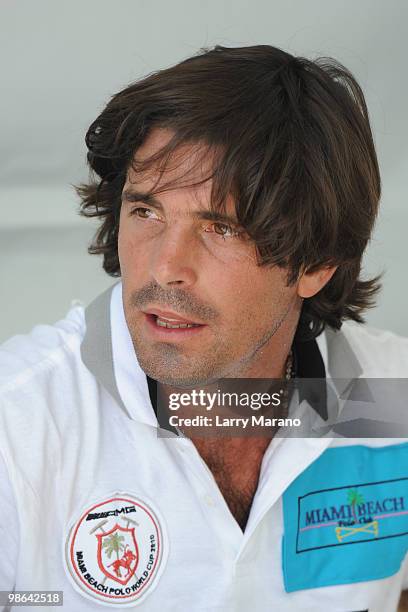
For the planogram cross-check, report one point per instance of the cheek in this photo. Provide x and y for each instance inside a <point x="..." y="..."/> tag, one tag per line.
<point x="123" y="252"/>
<point x="130" y="256"/>
<point x="240" y="297"/>
<point x="122" y="239"/>
<point x="260" y="295"/>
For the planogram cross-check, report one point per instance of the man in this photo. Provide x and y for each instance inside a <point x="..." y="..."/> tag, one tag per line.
<point x="237" y="192"/>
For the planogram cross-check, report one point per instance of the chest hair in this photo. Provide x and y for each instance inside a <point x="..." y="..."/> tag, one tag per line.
<point x="235" y="464"/>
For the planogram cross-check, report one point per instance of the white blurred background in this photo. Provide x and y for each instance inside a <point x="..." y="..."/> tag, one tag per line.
<point x="62" y="60"/>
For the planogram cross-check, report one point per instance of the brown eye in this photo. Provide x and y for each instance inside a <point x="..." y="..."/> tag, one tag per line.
<point x="223" y="229"/>
<point x="142" y="212"/>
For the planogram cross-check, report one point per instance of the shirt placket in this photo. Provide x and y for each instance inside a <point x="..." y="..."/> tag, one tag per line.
<point x="219" y="516"/>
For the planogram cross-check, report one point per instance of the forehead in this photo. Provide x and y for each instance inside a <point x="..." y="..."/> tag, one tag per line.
<point x="188" y="164"/>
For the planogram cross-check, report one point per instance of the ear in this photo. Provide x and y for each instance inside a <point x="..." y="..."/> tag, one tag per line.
<point x="311" y="283"/>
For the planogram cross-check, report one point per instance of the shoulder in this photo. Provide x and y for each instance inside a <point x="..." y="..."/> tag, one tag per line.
<point x="26" y="357"/>
<point x="41" y="378"/>
<point x="38" y="371"/>
<point x="381" y="353"/>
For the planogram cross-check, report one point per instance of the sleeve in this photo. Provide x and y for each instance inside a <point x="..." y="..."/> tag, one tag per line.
<point x="9" y="531"/>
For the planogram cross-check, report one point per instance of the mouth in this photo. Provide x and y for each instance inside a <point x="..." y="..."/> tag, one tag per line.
<point x="171" y="325"/>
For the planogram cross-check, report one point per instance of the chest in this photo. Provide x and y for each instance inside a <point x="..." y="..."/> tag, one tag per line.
<point x="238" y="495"/>
<point x="235" y="465"/>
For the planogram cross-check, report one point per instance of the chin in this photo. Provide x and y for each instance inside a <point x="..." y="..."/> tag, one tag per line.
<point x="176" y="379"/>
<point x="175" y="375"/>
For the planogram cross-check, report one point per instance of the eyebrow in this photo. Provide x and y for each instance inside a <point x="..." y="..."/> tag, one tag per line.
<point x="130" y="195"/>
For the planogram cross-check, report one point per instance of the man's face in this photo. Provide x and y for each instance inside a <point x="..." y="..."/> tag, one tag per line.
<point x="181" y="267"/>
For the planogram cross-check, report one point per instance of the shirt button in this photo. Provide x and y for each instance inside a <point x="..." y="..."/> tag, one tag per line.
<point x="209" y="500"/>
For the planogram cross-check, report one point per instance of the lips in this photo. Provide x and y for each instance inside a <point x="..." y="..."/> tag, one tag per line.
<point x="169" y="325"/>
<point x="167" y="318"/>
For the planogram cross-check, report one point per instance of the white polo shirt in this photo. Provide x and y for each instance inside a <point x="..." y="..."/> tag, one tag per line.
<point x="94" y="503"/>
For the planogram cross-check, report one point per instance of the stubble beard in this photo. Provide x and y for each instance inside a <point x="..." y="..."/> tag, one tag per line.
<point x="167" y="364"/>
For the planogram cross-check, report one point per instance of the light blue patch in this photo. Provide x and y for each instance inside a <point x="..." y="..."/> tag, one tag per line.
<point x="346" y="517"/>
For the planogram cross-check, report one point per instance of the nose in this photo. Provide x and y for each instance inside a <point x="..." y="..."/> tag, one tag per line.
<point x="174" y="258"/>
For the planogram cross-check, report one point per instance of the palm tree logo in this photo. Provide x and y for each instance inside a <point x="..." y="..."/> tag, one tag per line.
<point x="119" y="542"/>
<point x="114" y="544"/>
<point x="354" y="498"/>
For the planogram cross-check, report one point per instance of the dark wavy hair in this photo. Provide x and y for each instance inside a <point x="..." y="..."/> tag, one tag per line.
<point x="294" y="147"/>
